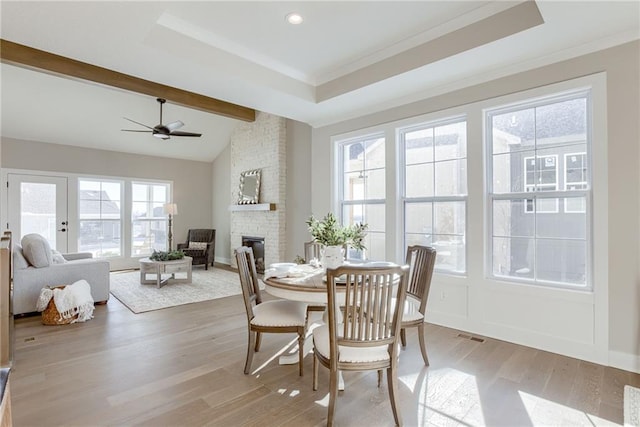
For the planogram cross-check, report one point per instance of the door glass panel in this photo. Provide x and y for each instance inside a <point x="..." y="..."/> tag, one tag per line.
<point x="38" y="210"/>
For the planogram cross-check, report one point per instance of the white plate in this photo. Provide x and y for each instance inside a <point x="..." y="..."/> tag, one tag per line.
<point x="283" y="266"/>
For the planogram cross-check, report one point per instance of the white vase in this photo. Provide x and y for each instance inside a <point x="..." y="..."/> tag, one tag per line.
<point x="332" y="256"/>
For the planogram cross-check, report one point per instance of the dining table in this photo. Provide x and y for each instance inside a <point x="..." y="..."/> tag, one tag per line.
<point x="305" y="283"/>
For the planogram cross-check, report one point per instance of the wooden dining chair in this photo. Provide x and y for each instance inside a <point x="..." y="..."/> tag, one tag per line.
<point x="312" y="250"/>
<point x="278" y="316"/>
<point x="421" y="261"/>
<point x="363" y="327"/>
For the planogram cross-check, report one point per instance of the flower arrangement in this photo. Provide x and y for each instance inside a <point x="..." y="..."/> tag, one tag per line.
<point x="330" y="233"/>
<point x="166" y="256"/>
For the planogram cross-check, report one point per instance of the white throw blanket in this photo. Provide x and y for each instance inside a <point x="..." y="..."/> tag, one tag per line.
<point x="74" y="299"/>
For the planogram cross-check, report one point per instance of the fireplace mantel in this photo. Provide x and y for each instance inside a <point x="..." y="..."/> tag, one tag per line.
<point x="253" y="207"/>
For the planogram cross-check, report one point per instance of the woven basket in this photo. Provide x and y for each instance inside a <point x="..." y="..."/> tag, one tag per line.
<point x="51" y="316"/>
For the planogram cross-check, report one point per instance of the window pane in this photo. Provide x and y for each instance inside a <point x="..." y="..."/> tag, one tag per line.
<point x="375" y="244"/>
<point x="353" y="155"/>
<point x="451" y="178"/>
<point x="563" y="122"/>
<point x="111" y="190"/>
<point x="374" y="155"/>
<point x="575" y="205"/>
<point x="374" y="181"/>
<point x="354" y="186"/>
<point x="139" y="192"/>
<point x="561" y="260"/>
<point x="450" y="254"/>
<point x="101" y="238"/>
<point x="513" y="257"/>
<point x="375" y="217"/>
<point x="160" y="193"/>
<point x="449" y="218"/>
<point x="418" y="218"/>
<point x="572" y="226"/>
<point x="418" y="146"/>
<point x="418" y="239"/>
<point x="512" y="131"/>
<point x="419" y="180"/>
<point x="148" y="236"/>
<point x="509" y="174"/>
<point x="511" y="220"/>
<point x="140" y="210"/>
<point x="89" y="209"/>
<point x="89" y="186"/>
<point x="451" y="141"/>
<point x="546" y="205"/>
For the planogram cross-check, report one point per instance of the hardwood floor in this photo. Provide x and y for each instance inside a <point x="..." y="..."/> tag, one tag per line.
<point x="183" y="366"/>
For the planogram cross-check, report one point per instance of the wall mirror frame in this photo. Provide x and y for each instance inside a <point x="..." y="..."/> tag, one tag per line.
<point x="249" y="187"/>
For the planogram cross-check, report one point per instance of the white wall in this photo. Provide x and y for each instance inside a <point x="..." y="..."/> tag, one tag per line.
<point x="490" y="309"/>
<point x="298" y="187"/>
<point x="221" y="175"/>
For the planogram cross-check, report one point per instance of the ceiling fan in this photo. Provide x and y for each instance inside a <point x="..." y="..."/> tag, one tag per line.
<point x="163" y="131"/>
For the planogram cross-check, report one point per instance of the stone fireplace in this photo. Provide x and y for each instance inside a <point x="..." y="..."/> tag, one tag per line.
<point x="260" y="145"/>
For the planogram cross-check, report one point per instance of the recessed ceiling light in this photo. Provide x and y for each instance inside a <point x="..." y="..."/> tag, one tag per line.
<point x="294" y="18"/>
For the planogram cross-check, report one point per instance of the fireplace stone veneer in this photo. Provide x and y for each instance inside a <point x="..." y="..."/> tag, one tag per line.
<point x="260" y="145"/>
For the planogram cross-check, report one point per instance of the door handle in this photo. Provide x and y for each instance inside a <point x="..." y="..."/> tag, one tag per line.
<point x="63" y="230"/>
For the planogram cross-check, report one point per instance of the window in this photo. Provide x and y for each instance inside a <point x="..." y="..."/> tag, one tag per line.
<point x="149" y="223"/>
<point x="538" y="227"/>
<point x="100" y="214"/>
<point x="362" y="192"/>
<point x="435" y="190"/>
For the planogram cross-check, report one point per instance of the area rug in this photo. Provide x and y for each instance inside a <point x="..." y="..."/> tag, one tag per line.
<point x="205" y="285"/>
<point x="631" y="406"/>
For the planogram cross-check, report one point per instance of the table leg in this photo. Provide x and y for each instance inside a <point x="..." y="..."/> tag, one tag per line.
<point x="292" y="357"/>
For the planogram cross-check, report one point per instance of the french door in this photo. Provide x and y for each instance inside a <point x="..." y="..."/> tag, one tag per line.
<point x="38" y="204"/>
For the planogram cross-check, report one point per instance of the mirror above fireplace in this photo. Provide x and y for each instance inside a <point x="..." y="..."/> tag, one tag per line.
<point x="249" y="187"/>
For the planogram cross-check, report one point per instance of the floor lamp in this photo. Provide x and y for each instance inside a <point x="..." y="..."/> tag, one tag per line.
<point x="170" y="209"/>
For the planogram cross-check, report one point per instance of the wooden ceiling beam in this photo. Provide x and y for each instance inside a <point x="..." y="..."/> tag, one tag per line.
<point x="28" y="57"/>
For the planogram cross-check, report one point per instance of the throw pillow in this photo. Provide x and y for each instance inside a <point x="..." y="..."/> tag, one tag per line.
<point x="57" y="257"/>
<point x="36" y="250"/>
<point x="200" y="246"/>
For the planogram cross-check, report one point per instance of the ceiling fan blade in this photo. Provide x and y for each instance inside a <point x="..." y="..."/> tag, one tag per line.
<point x="138" y="123"/>
<point x="136" y="130"/>
<point x="179" y="133"/>
<point x="174" y="125"/>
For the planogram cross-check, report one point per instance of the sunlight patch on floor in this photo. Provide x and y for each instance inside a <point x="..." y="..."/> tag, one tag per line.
<point x="445" y="396"/>
<point x="545" y="412"/>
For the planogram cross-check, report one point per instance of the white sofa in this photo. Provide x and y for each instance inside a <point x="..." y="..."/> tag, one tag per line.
<point x="36" y="266"/>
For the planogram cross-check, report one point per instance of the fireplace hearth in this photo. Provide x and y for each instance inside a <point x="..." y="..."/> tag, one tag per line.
<point x="257" y="244"/>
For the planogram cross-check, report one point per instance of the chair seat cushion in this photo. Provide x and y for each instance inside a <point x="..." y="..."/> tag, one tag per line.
<point x="280" y="313"/>
<point x="411" y="311"/>
<point x="348" y="354"/>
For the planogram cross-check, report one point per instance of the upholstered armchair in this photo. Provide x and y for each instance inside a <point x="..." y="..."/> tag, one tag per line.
<point x="201" y="246"/>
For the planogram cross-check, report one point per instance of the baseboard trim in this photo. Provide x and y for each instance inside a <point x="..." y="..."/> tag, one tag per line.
<point x="627" y="361"/>
<point x="222" y="260"/>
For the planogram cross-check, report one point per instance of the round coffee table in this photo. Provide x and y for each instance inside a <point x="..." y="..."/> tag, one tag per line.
<point x="158" y="268"/>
